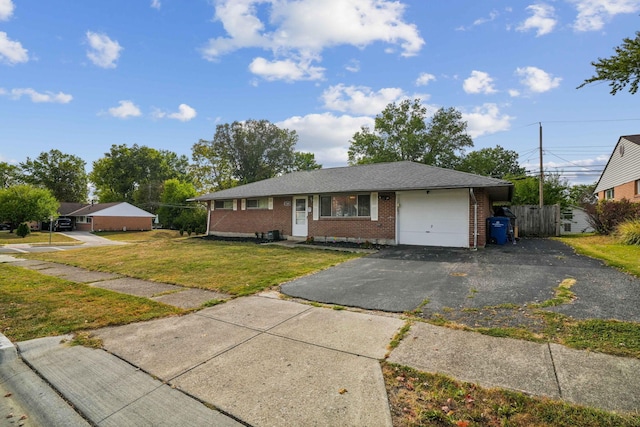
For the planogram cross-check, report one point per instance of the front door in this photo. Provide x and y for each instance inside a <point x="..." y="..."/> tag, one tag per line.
<point x="299" y="227"/>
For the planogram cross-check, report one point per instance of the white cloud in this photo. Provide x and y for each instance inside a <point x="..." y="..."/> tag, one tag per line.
<point x="424" y="79"/>
<point x="537" y="80"/>
<point x="156" y="4"/>
<point x="479" y="82"/>
<point x="542" y="20"/>
<point x="480" y="21"/>
<point x="353" y="66"/>
<point x="37" y="97"/>
<point x="298" y="31"/>
<point x="514" y="93"/>
<point x="492" y="16"/>
<point x="184" y="113"/>
<point x="360" y="99"/>
<point x="6" y="9"/>
<point x="125" y="110"/>
<point x="11" y="51"/>
<point x="104" y="52"/>
<point x="592" y="14"/>
<point x="326" y="135"/>
<point x="287" y="70"/>
<point x="485" y="120"/>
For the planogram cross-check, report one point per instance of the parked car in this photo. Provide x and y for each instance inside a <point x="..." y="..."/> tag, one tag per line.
<point x="62" y="224"/>
<point x="4" y="226"/>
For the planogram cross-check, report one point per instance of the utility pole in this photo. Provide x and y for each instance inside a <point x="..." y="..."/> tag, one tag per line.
<point x="541" y="186"/>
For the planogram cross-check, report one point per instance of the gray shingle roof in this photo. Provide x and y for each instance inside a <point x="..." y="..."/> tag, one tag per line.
<point x="395" y="176"/>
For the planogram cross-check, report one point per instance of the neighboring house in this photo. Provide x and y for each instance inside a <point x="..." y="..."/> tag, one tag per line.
<point x="574" y="221"/>
<point x="107" y="216"/>
<point x="620" y="178"/>
<point x="388" y="203"/>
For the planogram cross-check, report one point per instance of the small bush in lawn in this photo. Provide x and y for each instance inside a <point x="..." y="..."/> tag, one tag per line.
<point x="23" y="230"/>
<point x="629" y="232"/>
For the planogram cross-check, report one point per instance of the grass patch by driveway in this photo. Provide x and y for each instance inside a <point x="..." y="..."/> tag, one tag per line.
<point x="606" y="248"/>
<point x="7" y="238"/>
<point x="229" y="267"/>
<point x="33" y="305"/>
<point x="422" y="399"/>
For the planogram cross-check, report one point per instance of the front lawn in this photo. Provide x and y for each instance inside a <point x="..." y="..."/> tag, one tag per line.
<point x="139" y="236"/>
<point x="230" y="267"/>
<point x="33" y="305"/>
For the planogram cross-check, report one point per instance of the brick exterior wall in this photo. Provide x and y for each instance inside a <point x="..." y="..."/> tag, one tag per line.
<point x="113" y="223"/>
<point x="624" y="191"/>
<point x="485" y="210"/>
<point x="352" y="228"/>
<point x="250" y="221"/>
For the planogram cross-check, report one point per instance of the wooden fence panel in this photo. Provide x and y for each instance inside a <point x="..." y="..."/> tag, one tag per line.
<point x="533" y="221"/>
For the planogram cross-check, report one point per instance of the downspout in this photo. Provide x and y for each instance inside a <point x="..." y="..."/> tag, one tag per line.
<point x="475" y="220"/>
<point x="209" y="202"/>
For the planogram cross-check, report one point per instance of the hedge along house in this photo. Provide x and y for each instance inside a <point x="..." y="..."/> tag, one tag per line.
<point x="388" y="203"/>
<point x="118" y="216"/>
<point x="620" y="178"/>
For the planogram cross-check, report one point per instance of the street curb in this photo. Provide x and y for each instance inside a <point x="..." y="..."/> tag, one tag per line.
<point x="35" y="397"/>
<point x="8" y="352"/>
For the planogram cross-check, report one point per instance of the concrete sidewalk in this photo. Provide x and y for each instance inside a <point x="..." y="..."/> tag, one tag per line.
<point x="264" y="361"/>
<point x="581" y="377"/>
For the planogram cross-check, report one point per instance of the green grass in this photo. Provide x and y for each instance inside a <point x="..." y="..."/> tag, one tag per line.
<point x="230" y="267"/>
<point x="7" y="238"/>
<point x="139" y="236"/>
<point x="422" y="399"/>
<point x="608" y="249"/>
<point x="33" y="305"/>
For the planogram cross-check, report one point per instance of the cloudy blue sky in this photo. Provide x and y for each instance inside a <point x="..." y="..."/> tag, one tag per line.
<point x="80" y="76"/>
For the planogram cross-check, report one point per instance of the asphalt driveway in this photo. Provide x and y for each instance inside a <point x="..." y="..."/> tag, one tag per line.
<point x="402" y="278"/>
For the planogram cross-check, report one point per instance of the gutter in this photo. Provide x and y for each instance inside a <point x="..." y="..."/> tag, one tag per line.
<point x="475" y="220"/>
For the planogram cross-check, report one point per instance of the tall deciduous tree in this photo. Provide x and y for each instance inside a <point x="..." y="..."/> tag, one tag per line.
<point x="244" y="152"/>
<point x="402" y="132"/>
<point x="303" y="161"/>
<point x="621" y="69"/>
<point x="494" y="162"/>
<point x="527" y="191"/>
<point x="173" y="201"/>
<point x="10" y="175"/>
<point x="63" y="174"/>
<point x="24" y="203"/>
<point x="135" y="174"/>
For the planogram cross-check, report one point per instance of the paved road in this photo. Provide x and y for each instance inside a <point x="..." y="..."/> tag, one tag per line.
<point x="400" y="279"/>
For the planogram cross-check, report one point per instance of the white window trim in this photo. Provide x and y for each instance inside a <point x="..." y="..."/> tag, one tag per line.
<point x="371" y="202"/>
<point x="316" y="207"/>
<point x="373" y="206"/>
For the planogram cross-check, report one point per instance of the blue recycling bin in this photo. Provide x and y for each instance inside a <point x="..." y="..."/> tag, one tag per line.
<point x="499" y="229"/>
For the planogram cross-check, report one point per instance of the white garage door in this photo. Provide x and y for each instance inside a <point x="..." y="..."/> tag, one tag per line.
<point x="434" y="218"/>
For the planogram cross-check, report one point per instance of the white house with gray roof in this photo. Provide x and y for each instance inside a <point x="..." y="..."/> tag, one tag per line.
<point x="388" y="203"/>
